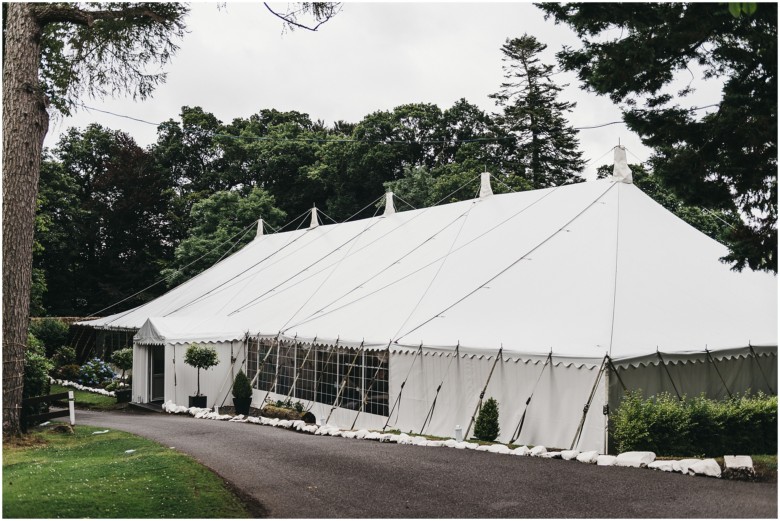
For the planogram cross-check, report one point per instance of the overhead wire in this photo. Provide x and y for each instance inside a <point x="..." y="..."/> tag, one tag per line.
<point x="168" y="277"/>
<point x="513" y="264"/>
<point x="258" y="299"/>
<point x="322" y="311"/>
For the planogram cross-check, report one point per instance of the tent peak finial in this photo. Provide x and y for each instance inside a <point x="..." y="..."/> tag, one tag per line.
<point x="621" y="172"/>
<point x="389" y="206"/>
<point x="485" y="190"/>
<point x="314" y="221"/>
<point x="259" y="228"/>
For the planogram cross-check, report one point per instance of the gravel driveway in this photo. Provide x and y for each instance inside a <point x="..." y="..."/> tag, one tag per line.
<point x="303" y="476"/>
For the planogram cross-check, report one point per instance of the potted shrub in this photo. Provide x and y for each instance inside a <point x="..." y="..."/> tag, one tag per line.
<point x="123" y="359"/>
<point x="242" y="393"/>
<point x="200" y="357"/>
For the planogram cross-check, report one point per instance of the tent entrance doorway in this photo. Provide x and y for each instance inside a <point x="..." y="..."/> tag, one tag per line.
<point x="157" y="374"/>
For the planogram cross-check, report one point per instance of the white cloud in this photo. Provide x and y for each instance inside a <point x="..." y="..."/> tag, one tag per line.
<point x="373" y="56"/>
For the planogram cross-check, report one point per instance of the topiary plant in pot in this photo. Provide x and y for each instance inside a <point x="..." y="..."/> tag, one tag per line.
<point x="242" y="393"/>
<point x="200" y="357"/>
<point x="123" y="359"/>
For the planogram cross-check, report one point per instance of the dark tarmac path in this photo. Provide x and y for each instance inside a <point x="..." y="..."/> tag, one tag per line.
<point x="304" y="476"/>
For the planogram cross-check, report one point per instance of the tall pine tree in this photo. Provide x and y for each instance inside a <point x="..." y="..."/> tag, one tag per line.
<point x="547" y="150"/>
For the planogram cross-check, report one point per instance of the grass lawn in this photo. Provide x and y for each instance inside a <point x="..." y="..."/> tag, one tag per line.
<point x="90" y="475"/>
<point x="86" y="400"/>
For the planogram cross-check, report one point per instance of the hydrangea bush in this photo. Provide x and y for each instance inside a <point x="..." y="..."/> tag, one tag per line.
<point x="95" y="373"/>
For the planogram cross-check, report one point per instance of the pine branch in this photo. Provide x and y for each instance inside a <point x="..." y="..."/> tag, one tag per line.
<point x="63" y="13"/>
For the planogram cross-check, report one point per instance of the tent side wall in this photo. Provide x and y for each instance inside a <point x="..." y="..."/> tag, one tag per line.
<point x="215" y="382"/>
<point x="180" y="379"/>
<point x="695" y="375"/>
<point x="558" y="394"/>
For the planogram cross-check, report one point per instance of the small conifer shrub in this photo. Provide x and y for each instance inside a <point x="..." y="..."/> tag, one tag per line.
<point x="486" y="427"/>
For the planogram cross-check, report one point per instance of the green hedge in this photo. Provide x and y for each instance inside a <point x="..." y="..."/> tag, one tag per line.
<point x="696" y="426"/>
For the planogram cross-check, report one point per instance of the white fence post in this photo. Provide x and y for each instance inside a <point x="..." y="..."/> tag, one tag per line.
<point x="71" y="408"/>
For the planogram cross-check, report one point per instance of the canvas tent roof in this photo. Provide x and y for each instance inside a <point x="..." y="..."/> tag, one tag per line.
<point x="583" y="270"/>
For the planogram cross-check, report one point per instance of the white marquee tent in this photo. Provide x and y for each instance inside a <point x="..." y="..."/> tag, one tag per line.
<point x="551" y="301"/>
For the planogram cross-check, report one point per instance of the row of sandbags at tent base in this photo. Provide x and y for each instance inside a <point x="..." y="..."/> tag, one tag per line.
<point x="707" y="467"/>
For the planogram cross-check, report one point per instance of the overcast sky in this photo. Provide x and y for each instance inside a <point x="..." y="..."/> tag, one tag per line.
<point x="236" y="60"/>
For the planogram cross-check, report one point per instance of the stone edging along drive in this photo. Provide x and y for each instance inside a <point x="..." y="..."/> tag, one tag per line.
<point x="692" y="466"/>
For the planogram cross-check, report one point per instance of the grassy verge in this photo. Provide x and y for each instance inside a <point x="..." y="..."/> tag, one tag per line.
<point x="87" y="400"/>
<point x="86" y="475"/>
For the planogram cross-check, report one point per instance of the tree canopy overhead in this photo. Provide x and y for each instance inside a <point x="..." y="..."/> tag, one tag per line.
<point x="52" y="52"/>
<point x="726" y="159"/>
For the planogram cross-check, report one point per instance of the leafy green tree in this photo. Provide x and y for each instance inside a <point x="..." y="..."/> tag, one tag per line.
<point x="52" y="333"/>
<point x="546" y="151"/>
<point x="53" y="53"/>
<point x="726" y="159"/>
<point x="109" y="231"/>
<point x="218" y="221"/>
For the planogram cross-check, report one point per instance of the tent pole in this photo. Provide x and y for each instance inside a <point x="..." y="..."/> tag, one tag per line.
<point x="663" y="364"/>
<point x="482" y="394"/>
<point x="606" y="403"/>
<point x="429" y="416"/>
<point x="610" y="369"/>
<point x="587" y="404"/>
<point x="719" y="375"/>
<point x="398" y="398"/>
<point x="761" y="370"/>
<point x="337" y="401"/>
<point x="370" y="386"/>
<point x="276" y="375"/>
<point x="298" y="369"/>
<point x="528" y="401"/>
<point x="317" y="379"/>
<point x="260" y="365"/>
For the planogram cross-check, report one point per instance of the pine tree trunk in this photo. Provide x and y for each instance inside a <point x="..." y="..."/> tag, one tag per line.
<point x="25" y="122"/>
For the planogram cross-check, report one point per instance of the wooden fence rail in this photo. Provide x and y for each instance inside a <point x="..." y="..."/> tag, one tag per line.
<point x="32" y="418"/>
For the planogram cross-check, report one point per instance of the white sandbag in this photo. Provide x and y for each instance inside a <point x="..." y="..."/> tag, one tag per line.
<point x="740" y="467"/>
<point x="664" y="465"/>
<point x="590" y="456"/>
<point x="636" y="459"/>
<point x="420" y="440"/>
<point x="359" y="435"/>
<point x="472" y="446"/>
<point x="435" y="443"/>
<point x="569" y="454"/>
<point x="499" y="449"/>
<point x="460" y="445"/>
<point x="605" y="460"/>
<point x="450" y="443"/>
<point x="483" y="448"/>
<point x="537" y="450"/>
<point x="404" y="439"/>
<point x="707" y="467"/>
<point x="521" y="451"/>
<point x="684" y="465"/>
